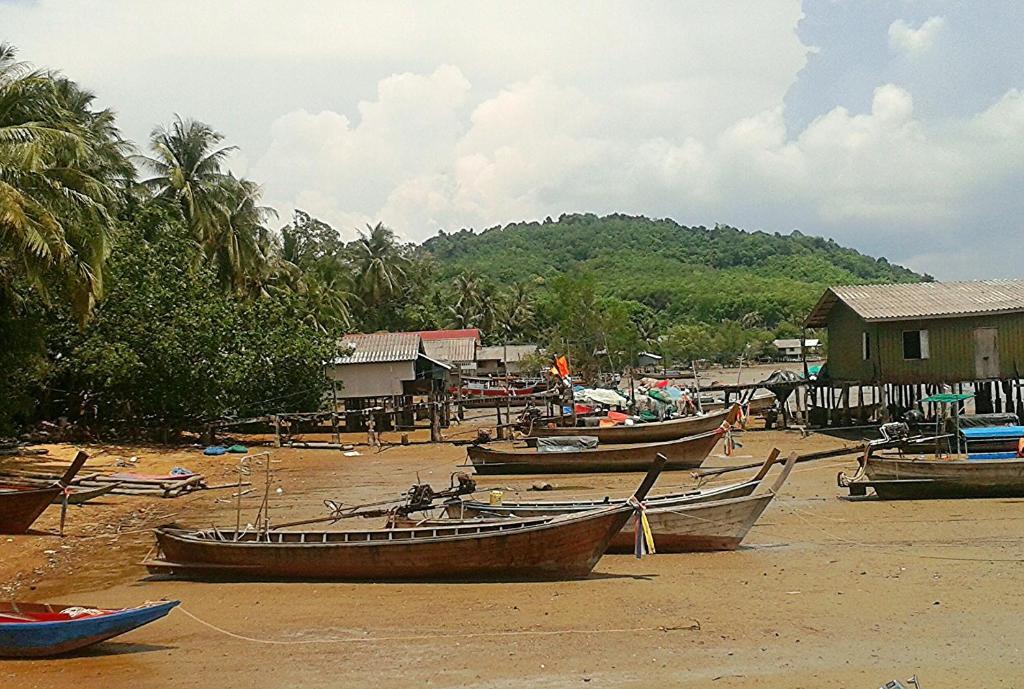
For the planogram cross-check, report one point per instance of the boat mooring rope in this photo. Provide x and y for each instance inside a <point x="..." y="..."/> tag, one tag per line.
<point x="695" y="627"/>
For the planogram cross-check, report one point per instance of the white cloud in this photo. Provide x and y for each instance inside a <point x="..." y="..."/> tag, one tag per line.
<point x="451" y="114"/>
<point x="905" y="39"/>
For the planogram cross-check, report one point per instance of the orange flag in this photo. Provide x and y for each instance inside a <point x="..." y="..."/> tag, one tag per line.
<point x="562" y="364"/>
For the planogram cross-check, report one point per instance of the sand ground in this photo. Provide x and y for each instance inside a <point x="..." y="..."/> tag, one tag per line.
<point x="825" y="593"/>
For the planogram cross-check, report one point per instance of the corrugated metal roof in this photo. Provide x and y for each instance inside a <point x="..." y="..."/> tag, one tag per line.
<point x="459" y="351"/>
<point x="507" y="353"/>
<point x="922" y="300"/>
<point x="471" y="333"/>
<point x="794" y="343"/>
<point x="376" y="348"/>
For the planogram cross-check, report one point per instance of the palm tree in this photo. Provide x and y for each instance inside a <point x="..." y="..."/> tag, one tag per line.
<point x="515" y="316"/>
<point x="60" y="167"/>
<point x="223" y="211"/>
<point x="187" y="169"/>
<point x="380" y="262"/>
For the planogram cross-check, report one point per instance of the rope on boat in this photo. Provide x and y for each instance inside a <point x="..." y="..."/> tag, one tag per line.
<point x="695" y="627"/>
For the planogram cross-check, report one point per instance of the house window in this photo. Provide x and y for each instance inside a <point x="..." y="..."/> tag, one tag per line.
<point x="915" y="344"/>
<point x="866" y="345"/>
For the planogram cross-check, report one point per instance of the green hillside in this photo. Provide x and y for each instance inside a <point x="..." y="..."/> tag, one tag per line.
<point x="684" y="274"/>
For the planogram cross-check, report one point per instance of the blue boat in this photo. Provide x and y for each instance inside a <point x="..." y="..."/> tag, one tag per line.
<point x="32" y="630"/>
<point x="993" y="442"/>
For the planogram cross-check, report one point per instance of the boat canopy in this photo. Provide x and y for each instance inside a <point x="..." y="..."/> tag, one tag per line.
<point x="992" y="432"/>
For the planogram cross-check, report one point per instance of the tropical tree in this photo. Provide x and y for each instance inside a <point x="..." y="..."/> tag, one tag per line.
<point x="61" y="164"/>
<point x="380" y="263"/>
<point x="223" y="211"/>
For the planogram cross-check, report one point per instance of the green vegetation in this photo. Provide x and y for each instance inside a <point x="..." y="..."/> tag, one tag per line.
<point x="150" y="289"/>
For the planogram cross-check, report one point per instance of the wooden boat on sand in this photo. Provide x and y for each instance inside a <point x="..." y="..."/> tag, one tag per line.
<point x="651" y="432"/>
<point x="476" y="509"/>
<point x="561" y="547"/>
<point x="895" y="478"/>
<point x="31" y="630"/>
<point x="679" y="524"/>
<point x="685" y="453"/>
<point x="21" y="505"/>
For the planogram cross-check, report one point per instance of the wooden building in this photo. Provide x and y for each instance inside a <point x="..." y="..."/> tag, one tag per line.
<point x="909" y="339"/>
<point x="795" y="349"/>
<point x="457" y="348"/>
<point x="385" y="370"/>
<point x="501" y="360"/>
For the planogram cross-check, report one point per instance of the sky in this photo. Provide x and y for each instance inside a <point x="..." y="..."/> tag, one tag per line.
<point x="895" y="127"/>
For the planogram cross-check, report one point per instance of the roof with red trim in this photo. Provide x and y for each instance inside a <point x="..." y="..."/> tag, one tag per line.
<point x="464" y="334"/>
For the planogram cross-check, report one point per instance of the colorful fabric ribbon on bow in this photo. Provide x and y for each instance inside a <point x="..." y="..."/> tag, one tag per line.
<point x="643" y="538"/>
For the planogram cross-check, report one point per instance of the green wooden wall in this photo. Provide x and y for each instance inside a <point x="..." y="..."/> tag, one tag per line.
<point x="951" y="345"/>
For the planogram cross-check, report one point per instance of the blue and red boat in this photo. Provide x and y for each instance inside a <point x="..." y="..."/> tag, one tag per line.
<point x="33" y="630"/>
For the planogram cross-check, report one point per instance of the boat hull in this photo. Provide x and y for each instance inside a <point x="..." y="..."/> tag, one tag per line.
<point x="20" y="507"/>
<point x="653" y="432"/>
<point x="707" y="526"/>
<point x="685" y="453"/>
<point x="907" y="479"/>
<point x="550" y="549"/>
<point x="42" y="639"/>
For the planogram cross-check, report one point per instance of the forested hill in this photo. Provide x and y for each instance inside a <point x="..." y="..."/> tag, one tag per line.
<point x="683" y="273"/>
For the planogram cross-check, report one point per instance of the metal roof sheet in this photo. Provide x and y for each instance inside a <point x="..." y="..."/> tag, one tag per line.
<point x="509" y="353"/>
<point x="461" y="350"/>
<point x="375" y="348"/>
<point x="794" y="343"/>
<point x="922" y="300"/>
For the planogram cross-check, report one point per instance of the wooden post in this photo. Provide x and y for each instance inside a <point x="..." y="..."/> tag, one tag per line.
<point x="846" y="404"/>
<point x="498" y="427"/>
<point x="277" y="430"/>
<point x="435" y="425"/>
<point x="371" y="434"/>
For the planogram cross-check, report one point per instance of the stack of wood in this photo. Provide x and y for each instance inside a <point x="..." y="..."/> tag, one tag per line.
<point x="168" y="486"/>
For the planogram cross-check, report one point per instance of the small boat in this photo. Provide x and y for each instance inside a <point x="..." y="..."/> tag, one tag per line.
<point x="679" y="524"/>
<point x="911" y="478"/>
<point x="978" y="474"/>
<point x="684" y="453"/>
<point x="31" y="630"/>
<point x="650" y="432"/>
<point x="545" y="548"/>
<point x="473" y="509"/>
<point x="80" y="496"/>
<point x="21" y="505"/>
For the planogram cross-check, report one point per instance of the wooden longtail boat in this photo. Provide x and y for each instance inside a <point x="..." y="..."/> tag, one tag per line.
<point x="653" y="432"/>
<point x="896" y="478"/>
<point x="685" y="453"/>
<point x="473" y="509"/>
<point x="30" y="630"/>
<point x="21" y="505"/>
<point x="679" y="525"/>
<point x="562" y="547"/>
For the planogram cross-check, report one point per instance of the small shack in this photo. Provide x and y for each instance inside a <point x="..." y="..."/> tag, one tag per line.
<point x="649" y="362"/>
<point x="457" y="348"/>
<point x="503" y="360"/>
<point x="911" y="340"/>
<point x="794" y="349"/>
<point x="385" y="371"/>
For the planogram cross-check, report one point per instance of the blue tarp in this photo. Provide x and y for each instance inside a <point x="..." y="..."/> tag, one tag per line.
<point x="992" y="432"/>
